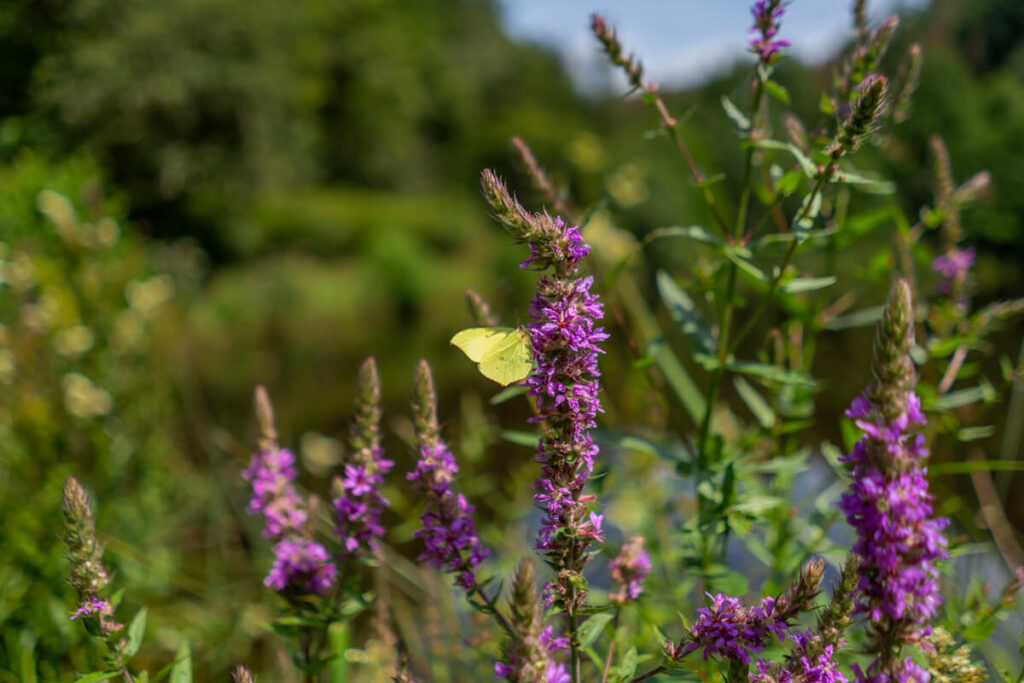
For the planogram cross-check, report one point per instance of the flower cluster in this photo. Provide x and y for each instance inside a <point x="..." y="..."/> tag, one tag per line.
<point x="530" y="655"/>
<point x="271" y="473"/>
<point x="888" y="504"/>
<point x="449" y="534"/>
<point x="548" y="645"/>
<point x="766" y="22"/>
<point x="805" y="663"/>
<point x="93" y="605"/>
<point x="730" y="630"/>
<point x="564" y="337"/>
<point x="89" y="577"/>
<point x="357" y="497"/>
<point x="906" y="671"/>
<point x="953" y="266"/>
<point x="629" y="569"/>
<point x="300" y="563"/>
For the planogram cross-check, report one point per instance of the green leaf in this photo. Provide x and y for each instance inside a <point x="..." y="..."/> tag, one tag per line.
<point x="861" y="318"/>
<point x="810" y="207"/>
<point x="956" y="399"/>
<point x="807" y="284"/>
<point x="777" y="91"/>
<point x="734" y="254"/>
<point x="592" y="628"/>
<point x="771" y="373"/>
<point x="693" y="232"/>
<point x="968" y="466"/>
<point x="789" y="183"/>
<point x="182" y="671"/>
<point x="825" y="105"/>
<point x="682" y="384"/>
<point x="868" y="184"/>
<point x="507" y="394"/>
<point x="520" y="438"/>
<point x="628" y="666"/>
<point x="97" y="676"/>
<point x="975" y="433"/>
<point x="980" y="631"/>
<point x="760" y="408"/>
<point x="685" y="313"/>
<point x="755" y="505"/>
<point x="734" y="113"/>
<point x="806" y="165"/>
<point x="136" y="632"/>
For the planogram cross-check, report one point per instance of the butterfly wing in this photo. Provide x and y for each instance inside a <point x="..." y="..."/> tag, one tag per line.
<point x="477" y="342"/>
<point x="510" y="360"/>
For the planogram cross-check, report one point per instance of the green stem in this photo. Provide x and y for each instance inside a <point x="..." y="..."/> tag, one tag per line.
<point x="672" y="126"/>
<point x="741" y="216"/>
<point x="713" y="392"/>
<point x="649" y="674"/>
<point x="787" y="259"/>
<point x="492" y="609"/>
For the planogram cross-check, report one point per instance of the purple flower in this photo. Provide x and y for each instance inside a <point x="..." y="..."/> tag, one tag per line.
<point x="766" y="21"/>
<point x="556" y="673"/>
<point x="449" y="534"/>
<point x="732" y="631"/>
<point x="357" y="498"/>
<point x="299" y="563"/>
<point x="803" y="665"/>
<point x="889" y="506"/>
<point x="564" y="337"/>
<point x="93" y="605"/>
<point x="629" y="569"/>
<point x="952" y="266"/>
<point x="907" y="671"/>
<point x="271" y="473"/>
<point x="302" y="564"/>
<point x="359" y="503"/>
<point x="544" y="646"/>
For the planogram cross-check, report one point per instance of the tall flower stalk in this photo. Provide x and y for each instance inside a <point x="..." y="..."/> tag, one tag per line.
<point x="889" y="505"/>
<point x="358" y="501"/>
<point x="564" y="335"/>
<point x="530" y="655"/>
<point x="89" y="577"/>
<point x="301" y="565"/>
<point x="448" y="532"/>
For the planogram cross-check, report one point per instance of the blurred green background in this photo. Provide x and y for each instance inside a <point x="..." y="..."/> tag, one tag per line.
<point x="198" y="196"/>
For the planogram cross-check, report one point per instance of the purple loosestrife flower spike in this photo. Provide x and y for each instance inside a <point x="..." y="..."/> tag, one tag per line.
<point x="564" y="336"/>
<point x="766" y="22"/>
<point x="728" y="629"/>
<point x="888" y="504"/>
<point x="530" y="655"/>
<point x="301" y="564"/>
<point x="89" y="577"/>
<point x="448" y="532"/>
<point x="357" y="498"/>
<point x="861" y="66"/>
<point x="629" y="569"/>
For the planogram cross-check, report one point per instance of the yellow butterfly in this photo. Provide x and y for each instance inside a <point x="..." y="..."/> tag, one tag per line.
<point x="502" y="354"/>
